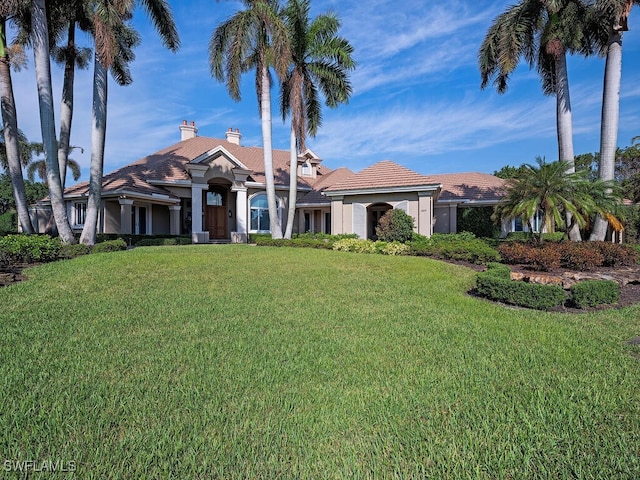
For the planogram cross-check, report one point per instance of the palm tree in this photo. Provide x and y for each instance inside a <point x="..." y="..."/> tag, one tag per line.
<point x="254" y="38"/>
<point x="11" y="151"/>
<point x="73" y="13"/>
<point x="613" y="21"/>
<point x="40" y="166"/>
<point x="114" y="40"/>
<point x="320" y="61"/>
<point x="40" y="42"/>
<point x="541" y="32"/>
<point x="549" y="188"/>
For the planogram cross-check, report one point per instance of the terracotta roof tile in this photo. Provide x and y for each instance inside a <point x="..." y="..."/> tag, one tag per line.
<point x="470" y="186"/>
<point x="383" y="174"/>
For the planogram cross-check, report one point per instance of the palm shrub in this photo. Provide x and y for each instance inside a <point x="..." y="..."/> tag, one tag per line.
<point x="395" y="226"/>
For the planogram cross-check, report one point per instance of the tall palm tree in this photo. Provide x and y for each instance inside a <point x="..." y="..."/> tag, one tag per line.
<point x="114" y="41"/>
<point x="541" y="32"/>
<point x="320" y="62"/>
<point x="551" y="189"/>
<point x="612" y="18"/>
<point x="254" y="38"/>
<point x="40" y="42"/>
<point x="74" y="14"/>
<point x="10" y="121"/>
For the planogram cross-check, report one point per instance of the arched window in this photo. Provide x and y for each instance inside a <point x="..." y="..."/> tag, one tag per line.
<point x="306" y="169"/>
<point x="260" y="213"/>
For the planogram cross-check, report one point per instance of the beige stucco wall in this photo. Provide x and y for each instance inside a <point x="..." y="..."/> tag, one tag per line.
<point x="418" y="206"/>
<point x="111" y="217"/>
<point x="160" y="220"/>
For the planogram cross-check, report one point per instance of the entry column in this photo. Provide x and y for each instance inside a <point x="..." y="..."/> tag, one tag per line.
<point x="125" y="215"/>
<point x="240" y="235"/>
<point x="197" y="235"/>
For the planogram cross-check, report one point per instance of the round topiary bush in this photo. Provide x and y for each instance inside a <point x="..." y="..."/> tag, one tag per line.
<point x="395" y="226"/>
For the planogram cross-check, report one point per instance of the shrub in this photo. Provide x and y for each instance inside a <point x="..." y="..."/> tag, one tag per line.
<point x="455" y="246"/>
<point x="395" y="226"/>
<point x="591" y="293"/>
<point x="28" y="248"/>
<point x="110" y="246"/>
<point x="73" y="251"/>
<point x="8" y="222"/>
<point x="538" y="257"/>
<point x="157" y="242"/>
<point x="394" y="248"/>
<point x="579" y="256"/>
<point x="615" y="254"/>
<point x="356" y="245"/>
<point x="477" y="220"/>
<point x="495" y="286"/>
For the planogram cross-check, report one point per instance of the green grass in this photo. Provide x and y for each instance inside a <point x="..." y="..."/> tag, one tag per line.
<point x="246" y="362"/>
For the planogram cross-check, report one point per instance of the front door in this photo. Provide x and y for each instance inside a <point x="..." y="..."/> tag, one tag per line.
<point x="215" y="217"/>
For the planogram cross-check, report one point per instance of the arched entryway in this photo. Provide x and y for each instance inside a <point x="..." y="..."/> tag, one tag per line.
<point x="374" y="213"/>
<point x="216" y="211"/>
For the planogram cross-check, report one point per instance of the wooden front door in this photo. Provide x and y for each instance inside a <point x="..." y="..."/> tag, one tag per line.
<point x="215" y="216"/>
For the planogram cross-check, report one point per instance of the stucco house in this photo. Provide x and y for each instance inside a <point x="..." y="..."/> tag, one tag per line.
<point x="214" y="190"/>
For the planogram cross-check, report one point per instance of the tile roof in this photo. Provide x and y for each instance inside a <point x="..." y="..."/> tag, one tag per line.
<point x="380" y="175"/>
<point x="322" y="183"/>
<point x="472" y="186"/>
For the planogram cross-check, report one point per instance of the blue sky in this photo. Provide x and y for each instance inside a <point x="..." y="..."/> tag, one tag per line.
<point x="417" y="98"/>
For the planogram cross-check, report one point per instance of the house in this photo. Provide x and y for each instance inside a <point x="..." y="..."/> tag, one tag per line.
<point x="214" y="190"/>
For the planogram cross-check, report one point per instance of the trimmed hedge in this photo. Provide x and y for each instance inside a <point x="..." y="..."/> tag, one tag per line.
<point x="110" y="246"/>
<point x="450" y="246"/>
<point x="72" y="251"/>
<point x="17" y="248"/>
<point x="496" y="284"/>
<point x="159" y="242"/>
<point x="591" y="293"/>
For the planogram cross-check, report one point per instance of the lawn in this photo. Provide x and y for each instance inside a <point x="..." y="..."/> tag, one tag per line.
<point x="244" y="362"/>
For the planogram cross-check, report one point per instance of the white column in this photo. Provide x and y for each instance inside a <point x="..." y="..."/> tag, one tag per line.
<point x="174" y="219"/>
<point x="197" y="235"/>
<point x="240" y="235"/>
<point x="125" y="215"/>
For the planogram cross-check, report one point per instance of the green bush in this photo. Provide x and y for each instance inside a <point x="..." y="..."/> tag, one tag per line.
<point x="527" y="236"/>
<point x="591" y="293"/>
<point x="8" y="222"/>
<point x="356" y="245"/>
<point x="158" y="242"/>
<point x="394" y="248"/>
<point x="455" y="246"/>
<point x="110" y="246"/>
<point x="73" y="251"/>
<point x="295" y="242"/>
<point x="17" y="248"/>
<point x="477" y="220"/>
<point x="495" y="286"/>
<point x="395" y="226"/>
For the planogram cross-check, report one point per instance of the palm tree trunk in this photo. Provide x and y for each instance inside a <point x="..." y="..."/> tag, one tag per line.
<point x="66" y="107"/>
<point x="10" y="122"/>
<point x="98" y="135"/>
<point x="610" y="119"/>
<point x="265" y="114"/>
<point x="40" y="41"/>
<point x="293" y="183"/>
<point x="565" y="128"/>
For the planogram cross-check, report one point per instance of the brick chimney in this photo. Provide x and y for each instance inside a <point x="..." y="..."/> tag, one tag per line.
<point x="233" y="136"/>
<point x="188" y="131"/>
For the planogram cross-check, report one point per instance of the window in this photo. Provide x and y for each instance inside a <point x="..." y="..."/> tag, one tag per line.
<point x="260" y="213"/>
<point x="306" y="169"/>
<point x="79" y="213"/>
<point x="327" y="222"/>
<point x="517" y="225"/>
<point x="214" y="199"/>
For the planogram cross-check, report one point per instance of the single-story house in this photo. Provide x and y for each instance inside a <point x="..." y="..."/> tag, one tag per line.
<point x="214" y="190"/>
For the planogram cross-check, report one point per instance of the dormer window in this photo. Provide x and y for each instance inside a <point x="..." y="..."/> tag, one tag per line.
<point x="306" y="170"/>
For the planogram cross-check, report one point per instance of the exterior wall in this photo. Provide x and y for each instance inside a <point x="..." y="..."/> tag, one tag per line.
<point x="111" y="217"/>
<point x="347" y="212"/>
<point x="442" y="219"/>
<point x="160" y="220"/>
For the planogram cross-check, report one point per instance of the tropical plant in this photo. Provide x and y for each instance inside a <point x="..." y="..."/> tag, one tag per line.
<point x="549" y="188"/>
<point x="254" y="38"/>
<point x="612" y="20"/>
<point x="39" y="167"/>
<point x="320" y="62"/>
<point x="40" y="43"/>
<point x="114" y="41"/>
<point x="11" y="135"/>
<point x="541" y="32"/>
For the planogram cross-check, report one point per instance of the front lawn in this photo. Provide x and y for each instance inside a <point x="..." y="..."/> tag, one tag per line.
<point x="234" y="361"/>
